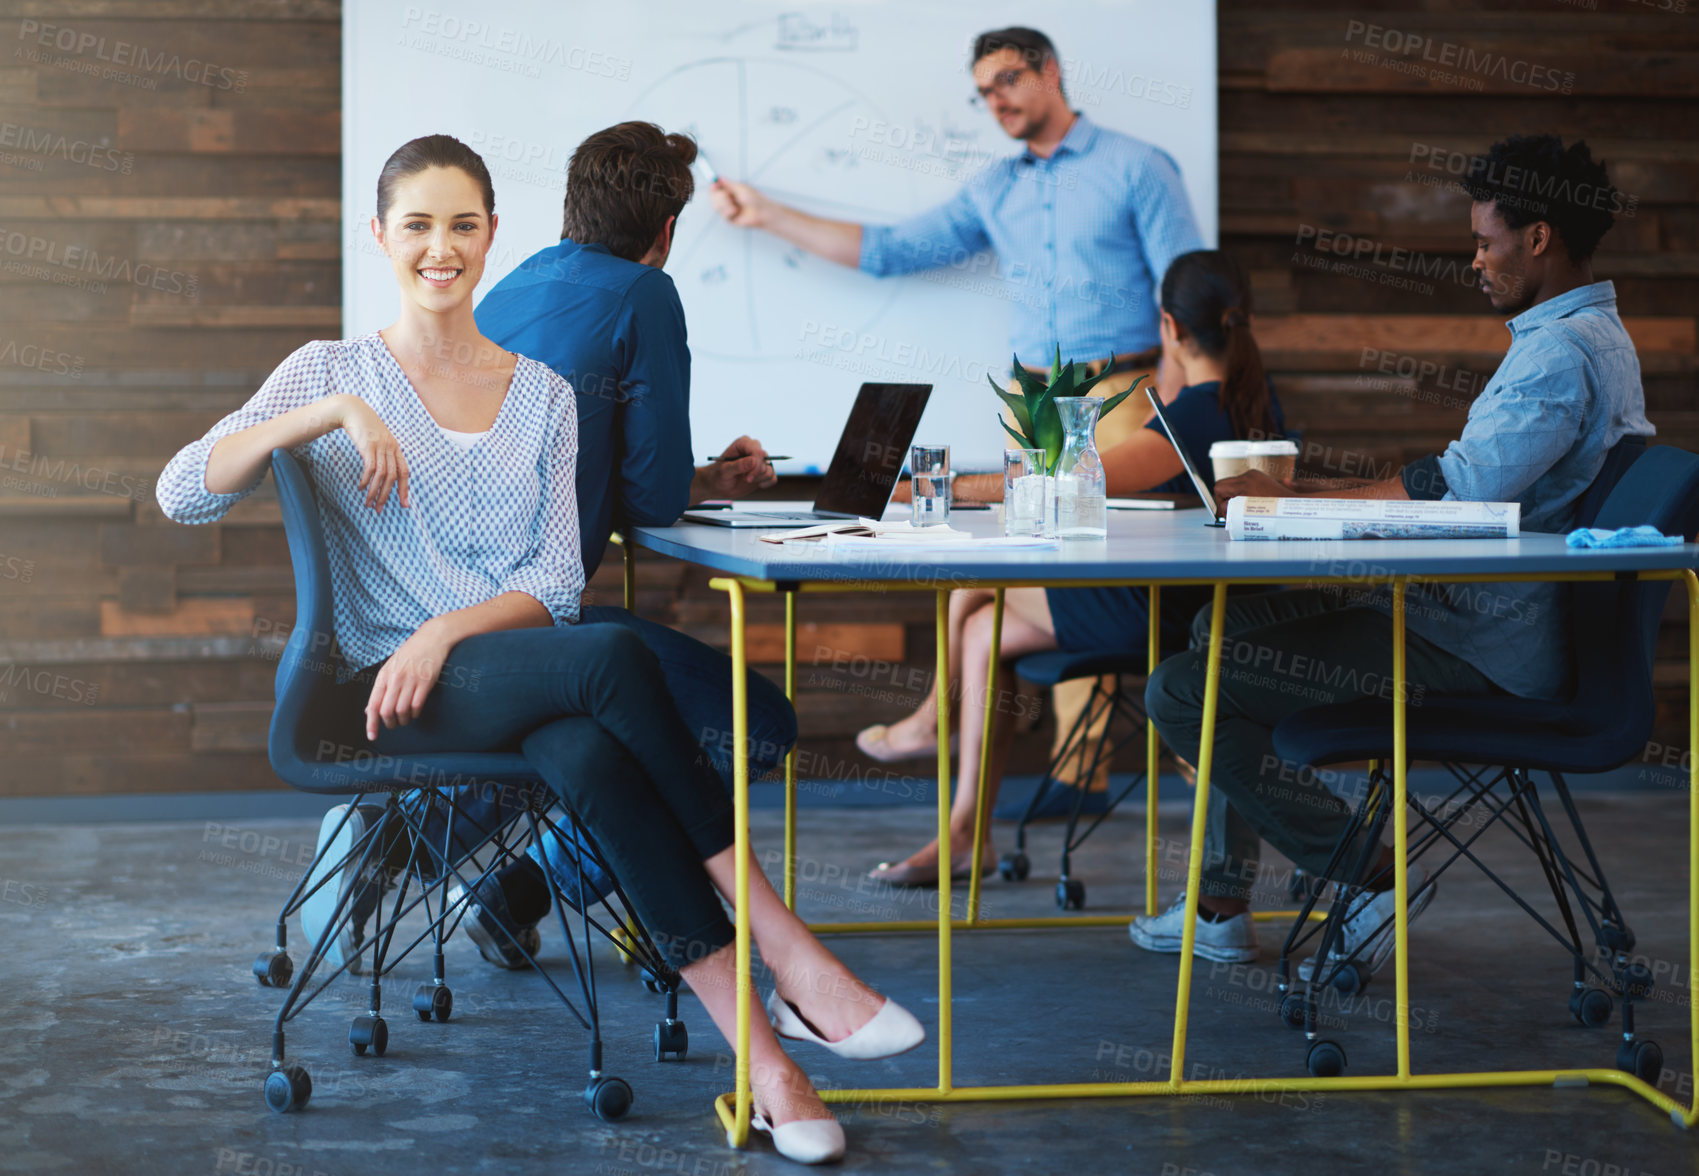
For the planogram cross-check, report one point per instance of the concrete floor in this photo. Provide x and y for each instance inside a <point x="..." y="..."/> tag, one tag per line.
<point x="134" y="1039"/>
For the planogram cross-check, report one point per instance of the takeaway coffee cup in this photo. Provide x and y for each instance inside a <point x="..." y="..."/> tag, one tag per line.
<point x="1230" y="457"/>
<point x="1277" y="459"/>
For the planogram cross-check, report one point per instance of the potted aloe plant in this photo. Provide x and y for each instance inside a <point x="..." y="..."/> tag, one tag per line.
<point x="1035" y="412"/>
<point x="1057" y="416"/>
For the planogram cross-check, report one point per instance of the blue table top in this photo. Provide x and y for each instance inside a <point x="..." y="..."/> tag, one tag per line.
<point x="1144" y="547"/>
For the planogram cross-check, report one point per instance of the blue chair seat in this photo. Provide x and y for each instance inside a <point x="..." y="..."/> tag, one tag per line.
<point x="1063" y="665"/>
<point x="1468" y="729"/>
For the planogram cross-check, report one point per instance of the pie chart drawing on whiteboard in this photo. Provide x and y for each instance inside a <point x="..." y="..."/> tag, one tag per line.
<point x="799" y="134"/>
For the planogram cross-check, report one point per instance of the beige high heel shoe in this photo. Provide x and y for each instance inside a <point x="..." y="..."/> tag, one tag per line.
<point x="873" y="743"/>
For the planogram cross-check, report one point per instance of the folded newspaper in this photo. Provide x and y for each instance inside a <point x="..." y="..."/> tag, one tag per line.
<point x="1370" y="518"/>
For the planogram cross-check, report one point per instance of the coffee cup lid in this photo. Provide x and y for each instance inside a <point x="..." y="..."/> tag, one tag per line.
<point x="1272" y="448"/>
<point x="1231" y="449"/>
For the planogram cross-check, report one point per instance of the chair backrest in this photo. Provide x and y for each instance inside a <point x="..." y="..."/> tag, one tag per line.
<point x="1614" y="625"/>
<point x="1622" y="455"/>
<point x="306" y="673"/>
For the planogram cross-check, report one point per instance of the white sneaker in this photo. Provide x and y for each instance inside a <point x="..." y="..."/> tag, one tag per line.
<point x="1231" y="941"/>
<point x="333" y="884"/>
<point x="1365" y="938"/>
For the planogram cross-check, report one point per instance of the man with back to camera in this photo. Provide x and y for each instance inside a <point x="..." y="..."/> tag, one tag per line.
<point x="598" y="309"/>
<point x="1567" y="391"/>
<point x="1085" y="219"/>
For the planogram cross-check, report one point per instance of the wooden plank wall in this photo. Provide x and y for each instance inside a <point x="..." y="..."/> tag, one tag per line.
<point x="170" y="229"/>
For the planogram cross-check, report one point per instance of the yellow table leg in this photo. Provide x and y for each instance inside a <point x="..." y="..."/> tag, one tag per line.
<point x="944" y="898"/>
<point x="983" y="802"/>
<point x="1151" y="747"/>
<point x="1200" y="815"/>
<point x="629" y="560"/>
<point x="738" y="1136"/>
<point x="790" y="756"/>
<point x="1400" y="835"/>
<point x="1692" y="584"/>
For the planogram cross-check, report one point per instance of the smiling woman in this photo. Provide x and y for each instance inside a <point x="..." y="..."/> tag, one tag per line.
<point x="476" y="575"/>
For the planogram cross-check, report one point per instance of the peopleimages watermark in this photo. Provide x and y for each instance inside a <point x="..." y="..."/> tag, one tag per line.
<point x="43" y="142"/>
<point x="1398" y="259"/>
<point x="1430" y="379"/>
<point x="1533" y="189"/>
<point x="69" y="471"/>
<point x="501" y="47"/>
<point x="126" y="62"/>
<point x="78" y="266"/>
<point x="49" y="360"/>
<point x="826" y="338"/>
<point x="47" y="683"/>
<point x="1424" y="57"/>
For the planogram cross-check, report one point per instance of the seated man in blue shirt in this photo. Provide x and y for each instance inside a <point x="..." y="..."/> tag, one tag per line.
<point x="598" y="309"/>
<point x="1538" y="434"/>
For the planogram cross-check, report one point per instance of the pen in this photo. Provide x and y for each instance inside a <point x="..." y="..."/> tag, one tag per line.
<point x="771" y="457"/>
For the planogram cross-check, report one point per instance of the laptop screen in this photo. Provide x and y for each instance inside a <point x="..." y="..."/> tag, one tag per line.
<point x="872" y="449"/>
<point x="1201" y="486"/>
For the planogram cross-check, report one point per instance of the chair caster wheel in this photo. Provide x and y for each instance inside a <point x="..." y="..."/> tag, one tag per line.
<point x="608" y="1098"/>
<point x="1637" y="981"/>
<point x="274" y="969"/>
<point x="1070" y="894"/>
<point x="1591" y="1006"/>
<point x="433" y="1000"/>
<point x="1351" y="977"/>
<point x="1326" y="1059"/>
<point x="652" y="982"/>
<point x="288" y="1089"/>
<point x="1614" y="936"/>
<point x="368" y="1033"/>
<point x="1014" y="867"/>
<point x="1643" y="1059"/>
<point x="671" y="1040"/>
<point x="1304" y="887"/>
<point x="1293" y="1010"/>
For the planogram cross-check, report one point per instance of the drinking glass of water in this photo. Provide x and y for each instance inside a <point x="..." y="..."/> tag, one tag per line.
<point x="1024" y="486"/>
<point x="929" y="470"/>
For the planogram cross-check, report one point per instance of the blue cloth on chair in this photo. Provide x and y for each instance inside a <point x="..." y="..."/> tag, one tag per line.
<point x="1621" y="537"/>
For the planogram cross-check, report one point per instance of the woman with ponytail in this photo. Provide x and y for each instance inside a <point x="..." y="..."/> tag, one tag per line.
<point x="1206" y="335"/>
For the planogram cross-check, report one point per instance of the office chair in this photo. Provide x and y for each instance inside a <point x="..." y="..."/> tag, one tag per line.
<point x="1603" y="725"/>
<point x="1081" y="754"/>
<point x="310" y="744"/>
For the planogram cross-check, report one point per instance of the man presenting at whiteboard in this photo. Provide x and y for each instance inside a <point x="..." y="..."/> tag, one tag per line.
<point x="1084" y="221"/>
<point x="1086" y="218"/>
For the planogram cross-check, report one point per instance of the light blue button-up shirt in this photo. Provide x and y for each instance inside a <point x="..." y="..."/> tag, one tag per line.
<point x="1083" y="239"/>
<point x="1567" y="391"/>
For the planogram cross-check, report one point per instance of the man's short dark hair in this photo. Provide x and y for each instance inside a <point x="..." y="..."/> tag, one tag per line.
<point x="1033" y="46"/>
<point x="1532" y="178"/>
<point x="623" y="183"/>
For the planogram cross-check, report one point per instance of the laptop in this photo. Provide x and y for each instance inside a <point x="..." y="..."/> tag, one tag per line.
<point x="870" y="456"/>
<point x="1201" y="486"/>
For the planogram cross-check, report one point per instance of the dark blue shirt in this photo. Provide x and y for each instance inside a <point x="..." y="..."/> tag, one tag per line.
<point x="1199" y="423"/>
<point x="615" y="330"/>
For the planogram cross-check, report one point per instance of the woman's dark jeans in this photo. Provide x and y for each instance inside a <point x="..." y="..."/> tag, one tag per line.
<point x="589" y="707"/>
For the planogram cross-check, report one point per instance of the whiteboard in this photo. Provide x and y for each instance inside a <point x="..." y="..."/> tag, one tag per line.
<point x="851" y="110"/>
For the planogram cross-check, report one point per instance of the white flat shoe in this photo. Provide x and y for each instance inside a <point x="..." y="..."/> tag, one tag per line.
<point x="892" y="1031"/>
<point x="806" y="1141"/>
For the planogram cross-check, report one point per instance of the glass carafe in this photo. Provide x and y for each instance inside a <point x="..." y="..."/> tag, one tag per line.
<point x="1080" y="495"/>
